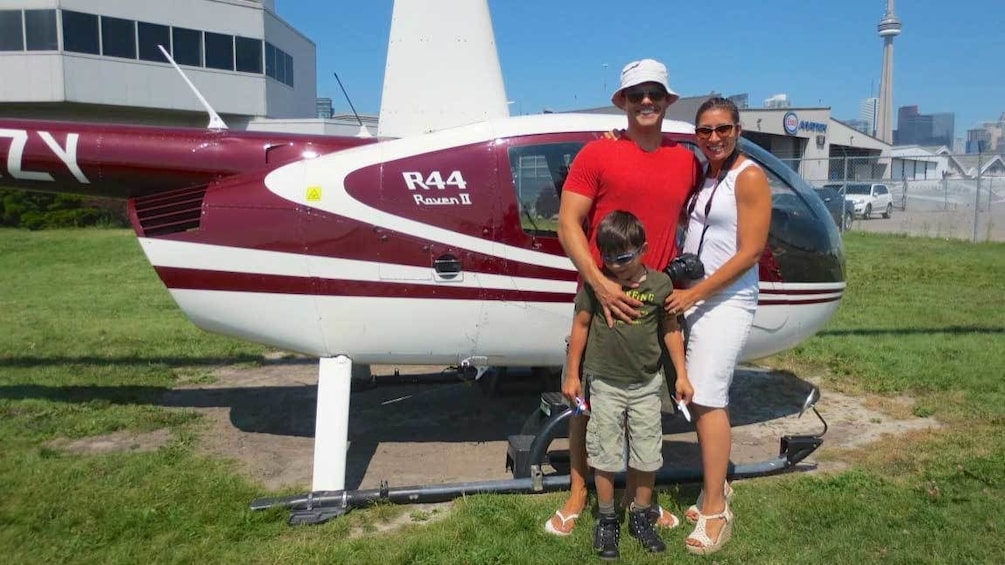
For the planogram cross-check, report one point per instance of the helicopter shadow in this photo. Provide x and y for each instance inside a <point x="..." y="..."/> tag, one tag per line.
<point x="421" y="410"/>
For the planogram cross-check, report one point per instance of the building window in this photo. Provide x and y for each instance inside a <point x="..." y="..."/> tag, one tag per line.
<point x="118" y="37"/>
<point x="11" y="36"/>
<point x="219" y="51"/>
<point x="249" y="54"/>
<point x="270" y="60"/>
<point x="80" y="32"/>
<point x="187" y="47"/>
<point x="278" y="64"/>
<point x="150" y="36"/>
<point x="40" y="30"/>
<point x="289" y="69"/>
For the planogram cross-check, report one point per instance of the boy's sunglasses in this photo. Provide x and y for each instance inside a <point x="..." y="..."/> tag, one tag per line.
<point x="705" y="132"/>
<point x="637" y="96"/>
<point x="622" y="258"/>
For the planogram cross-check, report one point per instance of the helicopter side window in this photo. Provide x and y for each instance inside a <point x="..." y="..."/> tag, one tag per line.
<point x="539" y="171"/>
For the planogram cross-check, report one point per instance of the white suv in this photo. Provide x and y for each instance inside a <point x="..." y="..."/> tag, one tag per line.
<point x="868" y="198"/>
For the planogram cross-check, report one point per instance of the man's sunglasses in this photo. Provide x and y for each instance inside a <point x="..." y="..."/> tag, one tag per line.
<point x="705" y="132"/>
<point x="637" y="96"/>
<point x="622" y="258"/>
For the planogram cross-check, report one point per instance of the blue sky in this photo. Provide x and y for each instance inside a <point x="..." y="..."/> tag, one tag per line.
<point x="567" y="54"/>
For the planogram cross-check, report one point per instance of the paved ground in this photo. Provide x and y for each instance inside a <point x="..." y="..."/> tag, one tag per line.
<point x="934" y="213"/>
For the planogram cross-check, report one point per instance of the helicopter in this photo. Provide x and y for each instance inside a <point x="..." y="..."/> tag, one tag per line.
<point x="432" y="243"/>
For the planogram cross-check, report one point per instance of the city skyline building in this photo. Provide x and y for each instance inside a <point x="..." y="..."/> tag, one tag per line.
<point x="992" y="134"/>
<point x="888" y="28"/>
<point x="778" y="101"/>
<point x="741" y="100"/>
<point x="859" y="124"/>
<point x="324" y="108"/>
<point x="867" y="113"/>
<point x="915" y="128"/>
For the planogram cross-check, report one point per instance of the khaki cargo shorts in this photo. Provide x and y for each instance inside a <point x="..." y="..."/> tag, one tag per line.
<point x="621" y="411"/>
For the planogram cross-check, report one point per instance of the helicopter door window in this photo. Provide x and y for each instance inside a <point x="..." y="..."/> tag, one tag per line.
<point x="539" y="171"/>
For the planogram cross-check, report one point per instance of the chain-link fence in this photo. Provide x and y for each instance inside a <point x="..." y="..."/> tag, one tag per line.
<point x="949" y="196"/>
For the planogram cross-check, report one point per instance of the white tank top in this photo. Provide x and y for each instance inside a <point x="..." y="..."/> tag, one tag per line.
<point x="720" y="239"/>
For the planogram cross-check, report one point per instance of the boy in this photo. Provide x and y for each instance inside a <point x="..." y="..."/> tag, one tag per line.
<point x="622" y="368"/>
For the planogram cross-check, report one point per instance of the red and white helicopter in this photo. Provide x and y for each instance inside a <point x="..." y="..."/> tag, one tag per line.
<point x="430" y="244"/>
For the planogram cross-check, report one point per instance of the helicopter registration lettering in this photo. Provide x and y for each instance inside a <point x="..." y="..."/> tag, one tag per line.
<point x="416" y="179"/>
<point x="15" y="154"/>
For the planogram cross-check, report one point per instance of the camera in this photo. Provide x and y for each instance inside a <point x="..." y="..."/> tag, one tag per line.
<point x="685" y="267"/>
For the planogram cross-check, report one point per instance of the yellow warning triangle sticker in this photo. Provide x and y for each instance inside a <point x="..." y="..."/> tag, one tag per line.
<point x="313" y="193"/>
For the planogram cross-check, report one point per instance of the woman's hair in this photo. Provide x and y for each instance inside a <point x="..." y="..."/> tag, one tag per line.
<point x="718" y="103"/>
<point x="620" y="231"/>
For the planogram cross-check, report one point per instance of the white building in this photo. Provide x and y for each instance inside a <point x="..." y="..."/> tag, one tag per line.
<point x="867" y="113"/>
<point x="777" y="101"/>
<point x="913" y="162"/>
<point x="99" y="61"/>
<point x="816" y="145"/>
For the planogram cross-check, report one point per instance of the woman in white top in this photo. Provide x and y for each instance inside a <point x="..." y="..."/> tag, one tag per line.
<point x="728" y="229"/>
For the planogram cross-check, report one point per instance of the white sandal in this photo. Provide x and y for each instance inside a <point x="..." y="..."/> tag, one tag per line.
<point x="551" y="529"/>
<point x="674" y="520"/>
<point x="700" y="533"/>
<point x="695" y="509"/>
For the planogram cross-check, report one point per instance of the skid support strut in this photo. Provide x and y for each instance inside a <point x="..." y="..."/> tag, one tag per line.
<point x="331" y="441"/>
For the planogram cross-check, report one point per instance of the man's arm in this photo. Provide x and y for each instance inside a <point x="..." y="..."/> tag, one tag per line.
<point x="572" y="213"/>
<point x="572" y="386"/>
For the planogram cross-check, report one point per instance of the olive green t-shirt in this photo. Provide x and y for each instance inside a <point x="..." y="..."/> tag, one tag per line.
<point x="630" y="351"/>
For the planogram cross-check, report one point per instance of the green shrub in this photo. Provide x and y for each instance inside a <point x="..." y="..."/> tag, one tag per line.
<point x="42" y="210"/>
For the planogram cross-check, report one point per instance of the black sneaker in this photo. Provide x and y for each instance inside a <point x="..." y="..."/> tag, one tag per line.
<point x="641" y="527"/>
<point x="607" y="536"/>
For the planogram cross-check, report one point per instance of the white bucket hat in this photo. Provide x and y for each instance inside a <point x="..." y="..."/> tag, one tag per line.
<point x="638" y="72"/>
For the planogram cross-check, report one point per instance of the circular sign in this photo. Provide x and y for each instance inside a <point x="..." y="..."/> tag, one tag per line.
<point x="790" y="122"/>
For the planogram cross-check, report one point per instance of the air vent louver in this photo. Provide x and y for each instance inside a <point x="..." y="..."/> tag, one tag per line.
<point x="170" y="212"/>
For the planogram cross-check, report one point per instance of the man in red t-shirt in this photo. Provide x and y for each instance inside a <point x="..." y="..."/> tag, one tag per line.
<point x="638" y="173"/>
<point x="642" y="174"/>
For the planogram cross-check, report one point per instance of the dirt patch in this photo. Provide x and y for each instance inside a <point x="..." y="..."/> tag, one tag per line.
<point x="117" y="441"/>
<point x="426" y="425"/>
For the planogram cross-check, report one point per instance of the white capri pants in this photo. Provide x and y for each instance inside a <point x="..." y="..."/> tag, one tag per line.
<point x="718" y="331"/>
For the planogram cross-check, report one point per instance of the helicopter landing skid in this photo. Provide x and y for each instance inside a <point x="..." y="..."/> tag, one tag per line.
<point x="527" y="454"/>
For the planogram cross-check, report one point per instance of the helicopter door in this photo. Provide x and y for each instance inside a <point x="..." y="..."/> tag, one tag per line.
<point x="438" y="241"/>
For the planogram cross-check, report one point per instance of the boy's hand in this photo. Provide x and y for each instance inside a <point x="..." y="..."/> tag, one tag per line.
<point x="572" y="386"/>
<point x="685" y="392"/>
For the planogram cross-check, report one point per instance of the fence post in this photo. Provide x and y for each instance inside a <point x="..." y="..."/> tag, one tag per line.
<point x="991" y="181"/>
<point x="945" y="191"/>
<point x="977" y="196"/>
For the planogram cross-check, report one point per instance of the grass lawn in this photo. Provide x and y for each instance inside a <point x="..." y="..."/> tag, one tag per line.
<point x="90" y="341"/>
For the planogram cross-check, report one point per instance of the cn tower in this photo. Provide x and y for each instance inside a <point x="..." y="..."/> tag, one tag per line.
<point x="889" y="27"/>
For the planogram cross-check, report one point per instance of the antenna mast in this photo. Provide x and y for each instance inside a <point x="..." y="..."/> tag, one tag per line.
<point x="362" y="129"/>
<point x="215" y="121"/>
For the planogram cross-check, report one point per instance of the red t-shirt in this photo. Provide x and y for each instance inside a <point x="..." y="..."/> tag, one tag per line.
<point x="618" y="175"/>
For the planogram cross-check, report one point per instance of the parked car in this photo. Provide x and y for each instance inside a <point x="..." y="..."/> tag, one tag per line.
<point x="842" y="210"/>
<point x="868" y="198"/>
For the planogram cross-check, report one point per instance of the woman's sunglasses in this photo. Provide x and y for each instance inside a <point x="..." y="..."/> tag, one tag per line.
<point x="637" y="96"/>
<point x="622" y="258"/>
<point x="705" y="132"/>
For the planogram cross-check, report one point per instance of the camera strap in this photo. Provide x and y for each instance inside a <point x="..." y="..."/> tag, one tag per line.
<point x="723" y="171"/>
